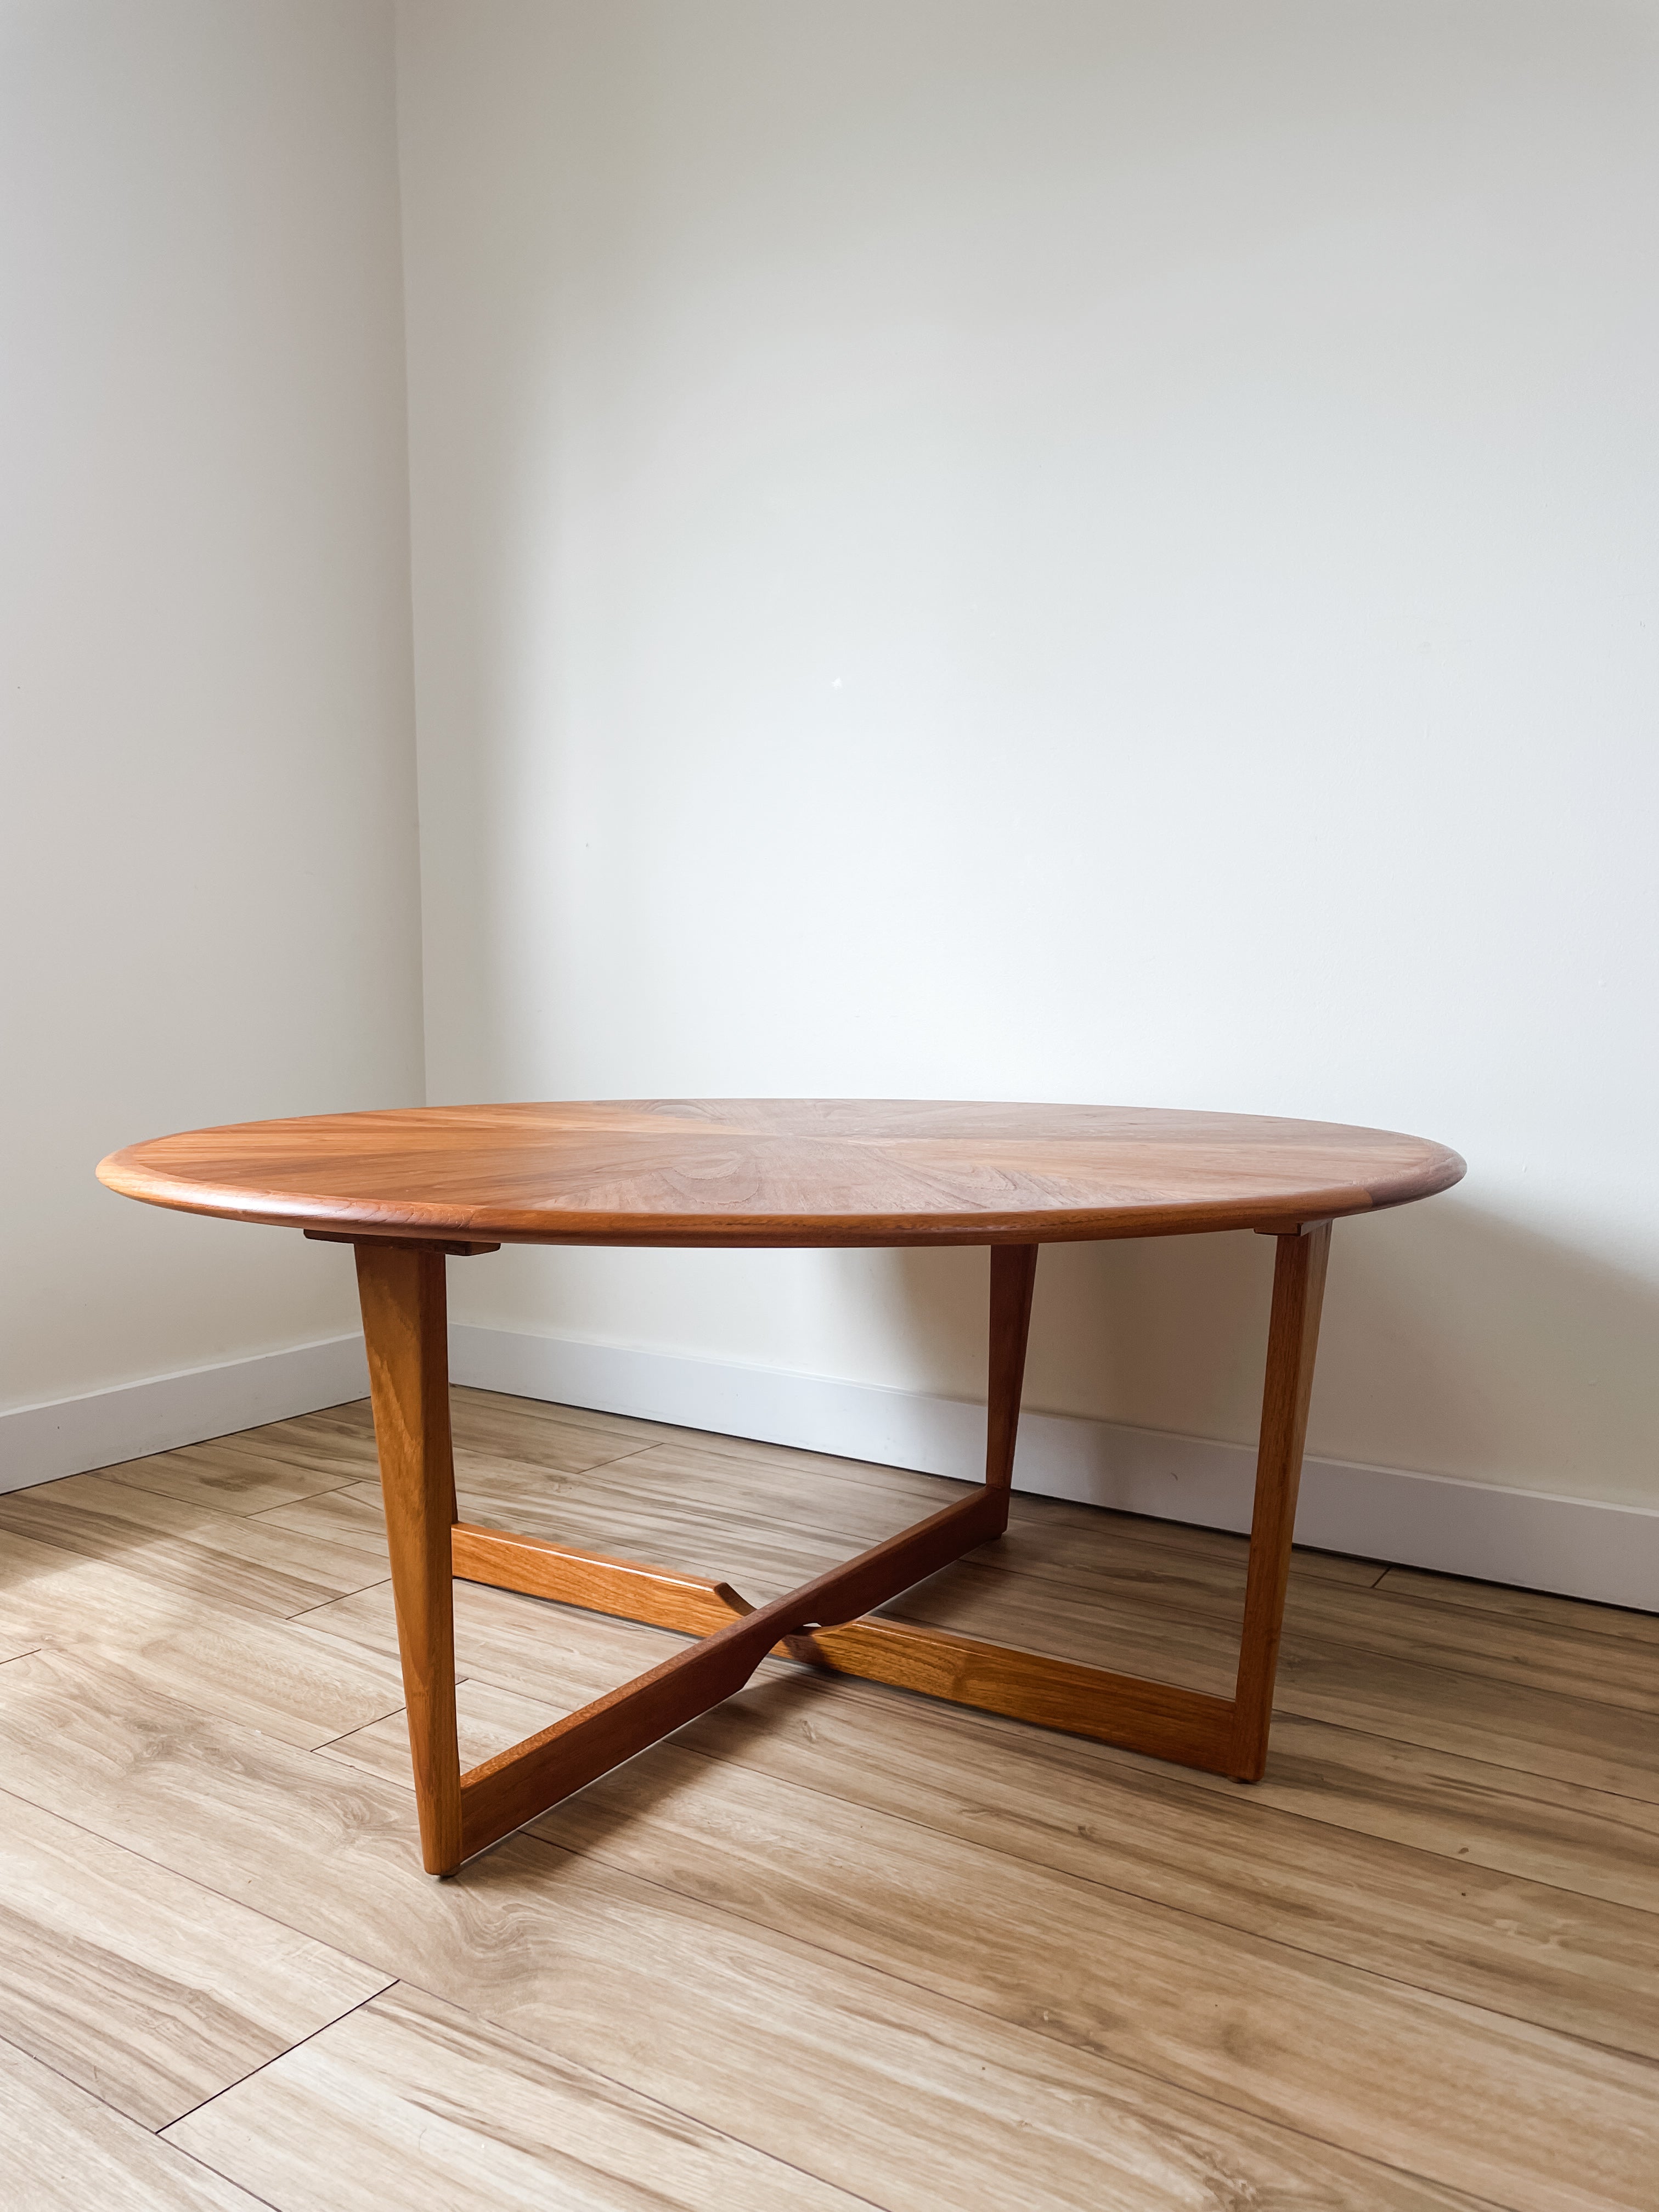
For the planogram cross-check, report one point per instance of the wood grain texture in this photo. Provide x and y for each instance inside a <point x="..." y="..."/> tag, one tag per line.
<point x="1399" y="1894"/>
<point x="48" y="1595"/>
<point x="413" y="2103"/>
<point x="405" y="1334"/>
<point x="1145" y="1598"/>
<point x="487" y="1720"/>
<point x="538" y="1568"/>
<point x="1146" y="1715"/>
<point x="507" y="1790"/>
<point x="226" y="1557"/>
<point x="1013" y="1278"/>
<point x="224" y="1476"/>
<point x="65" y="2151"/>
<point x="1418" y="1916"/>
<point x="1160" y="1718"/>
<point x="782" y="1172"/>
<point x="912" y="2100"/>
<point x="288" y="1681"/>
<point x="551" y="1655"/>
<point x="929" y="1957"/>
<point x="1536" y="1607"/>
<point x="1587" y="1842"/>
<point x="1300" y="1268"/>
<point x="1086" y="1965"/>
<point x="142" y="1986"/>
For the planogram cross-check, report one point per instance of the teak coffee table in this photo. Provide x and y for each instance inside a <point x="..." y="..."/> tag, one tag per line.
<point x="407" y="1190"/>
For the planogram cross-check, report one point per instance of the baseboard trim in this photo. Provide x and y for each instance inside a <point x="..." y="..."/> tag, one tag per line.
<point x="38" y="1444"/>
<point x="1573" y="1546"/>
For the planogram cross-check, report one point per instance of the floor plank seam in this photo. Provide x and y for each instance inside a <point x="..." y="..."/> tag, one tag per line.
<point x="380" y="1581"/>
<point x="1383" y="1796"/>
<point x="1129" y="1762"/>
<point x="1020" y="2028"/>
<point x="1596" y="1607"/>
<point x="79" y="2088"/>
<point x="114" y="1474"/>
<point x="1419" y="1743"/>
<point x="226" y="1896"/>
<point x="1186" y="1913"/>
<point x="253" y="2072"/>
<point x="1132" y="1762"/>
<point x="1321" y="1641"/>
<point x="645" y="2096"/>
<point x="1176" y="1776"/>
<point x="1499" y="1766"/>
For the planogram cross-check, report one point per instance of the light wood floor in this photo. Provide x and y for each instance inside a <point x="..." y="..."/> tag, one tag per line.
<point x="832" y="1946"/>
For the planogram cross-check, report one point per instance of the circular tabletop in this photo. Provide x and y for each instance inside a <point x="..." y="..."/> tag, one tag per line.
<point x="782" y="1171"/>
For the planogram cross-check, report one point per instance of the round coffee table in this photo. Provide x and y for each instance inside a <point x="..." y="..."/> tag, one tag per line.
<point x="409" y="1188"/>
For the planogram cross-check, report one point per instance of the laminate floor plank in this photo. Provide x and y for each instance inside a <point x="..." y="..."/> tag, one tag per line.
<point x="548" y="1652"/>
<point x="148" y="1990"/>
<point x="488" y="1719"/>
<point x="705" y="1501"/>
<point x="678" y="1507"/>
<point x="848" y="1516"/>
<point x="553" y="1654"/>
<point x="352" y="1519"/>
<point x="1572" y="1739"/>
<point x="230" y="1478"/>
<point x="543" y="1660"/>
<point x="65" y="2151"/>
<point x="1556" y="1959"/>
<point x="1249" y="2023"/>
<point x="278" y="1675"/>
<point x="763" y="1562"/>
<point x="1540" y="1607"/>
<point x="1559" y="1960"/>
<point x="831" y="1942"/>
<point x="1392" y="1621"/>
<point x="787" y="1473"/>
<point x="1068" y="1529"/>
<point x="1508" y="1821"/>
<point x="917" y="2102"/>
<point x="1136" y="1635"/>
<point x="286" y="1680"/>
<point x="411" y="2102"/>
<point x="189" y="1547"/>
<point x="538" y="1435"/>
<point x="48" y="1595"/>
<point x="1362" y="1681"/>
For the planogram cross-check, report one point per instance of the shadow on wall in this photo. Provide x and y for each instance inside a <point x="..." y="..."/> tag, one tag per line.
<point x="1455" y="1341"/>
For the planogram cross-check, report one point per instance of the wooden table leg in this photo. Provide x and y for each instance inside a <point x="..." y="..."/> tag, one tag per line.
<point x="830" y="1622"/>
<point x="1292" y="1340"/>
<point x="1014" y="1276"/>
<point x="401" y="1288"/>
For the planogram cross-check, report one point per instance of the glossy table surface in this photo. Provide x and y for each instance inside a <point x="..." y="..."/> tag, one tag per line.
<point x="774" y="1171"/>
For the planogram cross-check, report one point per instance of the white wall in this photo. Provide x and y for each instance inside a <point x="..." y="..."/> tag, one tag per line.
<point x="1081" y="548"/>
<point x="208" y="898"/>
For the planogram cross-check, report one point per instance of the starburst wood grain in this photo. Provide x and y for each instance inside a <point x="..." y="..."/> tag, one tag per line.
<point x="764" y="1171"/>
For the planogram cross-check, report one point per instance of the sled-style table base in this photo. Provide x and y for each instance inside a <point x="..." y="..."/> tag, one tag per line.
<point x="826" y="1622"/>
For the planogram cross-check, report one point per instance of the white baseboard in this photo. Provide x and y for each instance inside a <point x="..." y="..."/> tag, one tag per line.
<point x="39" y="1443"/>
<point x="1572" y="1545"/>
<point x="1494" y="1533"/>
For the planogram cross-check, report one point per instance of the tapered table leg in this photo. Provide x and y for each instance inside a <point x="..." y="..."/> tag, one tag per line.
<point x="401" y="1288"/>
<point x="1014" y="1276"/>
<point x="1292" y="1340"/>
